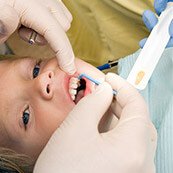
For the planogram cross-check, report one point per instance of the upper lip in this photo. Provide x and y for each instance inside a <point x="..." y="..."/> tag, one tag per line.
<point x="66" y="83"/>
<point x="61" y="84"/>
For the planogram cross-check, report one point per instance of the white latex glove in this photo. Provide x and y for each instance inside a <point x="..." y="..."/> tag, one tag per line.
<point x="49" y="18"/>
<point x="78" y="147"/>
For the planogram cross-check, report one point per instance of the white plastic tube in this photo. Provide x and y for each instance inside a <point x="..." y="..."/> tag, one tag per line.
<point x="152" y="50"/>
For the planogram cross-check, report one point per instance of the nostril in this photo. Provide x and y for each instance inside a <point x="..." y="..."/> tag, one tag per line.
<point x="48" y="89"/>
<point x="50" y="75"/>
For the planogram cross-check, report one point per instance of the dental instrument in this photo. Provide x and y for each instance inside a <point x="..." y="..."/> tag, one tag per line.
<point x="108" y="65"/>
<point x="152" y="50"/>
<point x="32" y="37"/>
<point x="93" y="80"/>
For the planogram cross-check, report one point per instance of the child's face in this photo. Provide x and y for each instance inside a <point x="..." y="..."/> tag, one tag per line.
<point x="32" y="107"/>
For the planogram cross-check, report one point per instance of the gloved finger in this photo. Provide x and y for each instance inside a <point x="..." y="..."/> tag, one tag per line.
<point x="25" y="34"/>
<point x="138" y="134"/>
<point x="128" y="97"/>
<point x="142" y="42"/>
<point x="9" y="21"/>
<point x="171" y="29"/>
<point x="116" y="108"/>
<point x="77" y="130"/>
<point x="160" y="5"/>
<point x="149" y="18"/>
<point x="66" y="11"/>
<point x="134" y="123"/>
<point x="52" y="32"/>
<point x="56" y="9"/>
<point x="90" y="109"/>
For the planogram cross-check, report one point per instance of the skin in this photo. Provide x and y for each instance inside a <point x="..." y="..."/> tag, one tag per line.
<point x="47" y="109"/>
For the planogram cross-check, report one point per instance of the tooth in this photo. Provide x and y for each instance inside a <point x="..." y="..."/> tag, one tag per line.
<point x="73" y="97"/>
<point x="73" y="85"/>
<point x="74" y="80"/>
<point x="72" y="91"/>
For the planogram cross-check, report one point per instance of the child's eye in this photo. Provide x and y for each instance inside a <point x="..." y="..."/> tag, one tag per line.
<point x="36" y="69"/>
<point x="25" y="117"/>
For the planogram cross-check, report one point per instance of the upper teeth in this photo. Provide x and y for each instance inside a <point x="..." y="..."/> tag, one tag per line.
<point x="73" y="85"/>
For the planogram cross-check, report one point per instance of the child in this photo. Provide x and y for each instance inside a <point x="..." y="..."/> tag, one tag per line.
<point x="35" y="97"/>
<point x="40" y="96"/>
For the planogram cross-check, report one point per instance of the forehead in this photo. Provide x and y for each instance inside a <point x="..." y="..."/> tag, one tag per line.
<point x="10" y="87"/>
<point x="5" y="68"/>
<point x="6" y="76"/>
<point x="9" y="83"/>
<point x="8" y="65"/>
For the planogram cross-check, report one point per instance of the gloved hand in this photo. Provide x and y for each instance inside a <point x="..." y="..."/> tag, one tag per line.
<point x="78" y="147"/>
<point x="150" y="20"/>
<point x="49" y="18"/>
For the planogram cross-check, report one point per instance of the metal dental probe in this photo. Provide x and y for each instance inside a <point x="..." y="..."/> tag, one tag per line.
<point x="32" y="37"/>
<point x="108" y="65"/>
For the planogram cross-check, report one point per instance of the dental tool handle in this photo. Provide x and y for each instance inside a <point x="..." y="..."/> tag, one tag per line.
<point x="152" y="51"/>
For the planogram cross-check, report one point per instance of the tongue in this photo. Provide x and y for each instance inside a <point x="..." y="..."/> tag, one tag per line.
<point x="79" y="96"/>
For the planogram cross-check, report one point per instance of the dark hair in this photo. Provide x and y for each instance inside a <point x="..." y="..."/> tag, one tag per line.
<point x="11" y="161"/>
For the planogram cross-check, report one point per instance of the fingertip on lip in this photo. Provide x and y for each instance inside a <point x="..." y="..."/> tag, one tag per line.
<point x="76" y="74"/>
<point x="70" y="70"/>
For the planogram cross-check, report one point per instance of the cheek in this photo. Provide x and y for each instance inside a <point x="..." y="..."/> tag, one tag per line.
<point x="50" y="117"/>
<point x="46" y="121"/>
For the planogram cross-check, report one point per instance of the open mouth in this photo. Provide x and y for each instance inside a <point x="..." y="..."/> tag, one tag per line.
<point x="80" y="90"/>
<point x="77" y="89"/>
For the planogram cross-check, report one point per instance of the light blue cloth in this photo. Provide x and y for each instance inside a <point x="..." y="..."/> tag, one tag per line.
<point x="159" y="96"/>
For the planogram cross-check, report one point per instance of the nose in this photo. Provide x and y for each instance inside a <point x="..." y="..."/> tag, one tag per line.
<point x="44" y="84"/>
